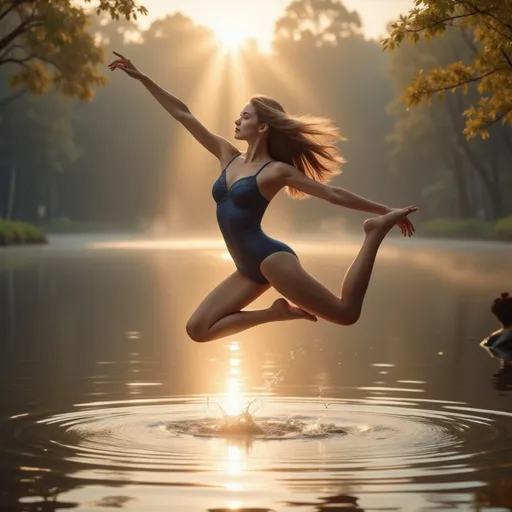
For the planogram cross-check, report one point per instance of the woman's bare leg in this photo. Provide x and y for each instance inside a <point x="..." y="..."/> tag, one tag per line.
<point x="286" y="275"/>
<point x="220" y="314"/>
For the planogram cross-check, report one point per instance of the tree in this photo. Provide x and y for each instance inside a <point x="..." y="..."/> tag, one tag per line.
<point x="131" y="145"/>
<point x="487" y="25"/>
<point x="337" y="73"/>
<point x="318" y="22"/>
<point x="429" y="144"/>
<point x="36" y="145"/>
<point x="46" y="43"/>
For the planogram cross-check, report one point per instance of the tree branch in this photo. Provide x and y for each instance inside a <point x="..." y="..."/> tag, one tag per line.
<point x="439" y="22"/>
<point x="487" y="13"/>
<point x="6" y="101"/>
<point x="498" y="118"/>
<point x="468" y="81"/>
<point x="47" y="61"/>
<point x="490" y="25"/>
<point x="10" y="49"/>
<point x="14" y="4"/>
<point x="452" y="18"/>
<point x="13" y="60"/>
<point x="23" y="27"/>
<point x="504" y="53"/>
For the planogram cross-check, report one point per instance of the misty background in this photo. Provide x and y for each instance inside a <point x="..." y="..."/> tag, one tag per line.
<point x="120" y="158"/>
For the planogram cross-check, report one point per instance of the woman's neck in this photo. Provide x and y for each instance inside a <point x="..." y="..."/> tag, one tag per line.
<point x="257" y="151"/>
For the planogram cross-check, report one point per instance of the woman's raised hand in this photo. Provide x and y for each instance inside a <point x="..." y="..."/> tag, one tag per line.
<point x="126" y="65"/>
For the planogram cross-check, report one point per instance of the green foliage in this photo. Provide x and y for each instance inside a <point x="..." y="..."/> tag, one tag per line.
<point x="136" y="162"/>
<point x="456" y="228"/>
<point x="17" y="233"/>
<point x="151" y="168"/>
<point x="48" y="43"/>
<point x="428" y="146"/>
<point x="487" y="27"/>
<point x="45" y="126"/>
<point x="468" y="228"/>
<point x="503" y="229"/>
<point x="66" y="225"/>
<point x="116" y="8"/>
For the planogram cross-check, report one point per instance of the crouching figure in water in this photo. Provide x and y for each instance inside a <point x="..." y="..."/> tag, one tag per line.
<point x="501" y="339"/>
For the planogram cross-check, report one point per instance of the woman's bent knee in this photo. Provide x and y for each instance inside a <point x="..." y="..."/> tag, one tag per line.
<point x="196" y="331"/>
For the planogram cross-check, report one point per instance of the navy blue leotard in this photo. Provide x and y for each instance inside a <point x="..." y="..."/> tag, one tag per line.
<point x="239" y="212"/>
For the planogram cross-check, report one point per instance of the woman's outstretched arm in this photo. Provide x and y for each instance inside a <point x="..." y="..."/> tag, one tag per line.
<point x="214" y="143"/>
<point x="292" y="177"/>
<point x="343" y="197"/>
<point x="171" y="103"/>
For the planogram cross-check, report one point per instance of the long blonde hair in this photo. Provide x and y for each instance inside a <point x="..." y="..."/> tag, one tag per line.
<point x="306" y="142"/>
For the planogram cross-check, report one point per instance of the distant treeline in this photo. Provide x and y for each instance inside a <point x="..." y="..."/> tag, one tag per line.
<point x="121" y="158"/>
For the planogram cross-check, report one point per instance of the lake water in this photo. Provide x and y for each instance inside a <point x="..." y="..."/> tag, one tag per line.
<point x="106" y="402"/>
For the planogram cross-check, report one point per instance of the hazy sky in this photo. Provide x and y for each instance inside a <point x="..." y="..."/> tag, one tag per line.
<point x="255" y="18"/>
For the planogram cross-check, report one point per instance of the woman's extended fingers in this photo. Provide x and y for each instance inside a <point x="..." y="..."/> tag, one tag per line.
<point x="122" y="56"/>
<point x="116" y="63"/>
<point x="119" y="65"/>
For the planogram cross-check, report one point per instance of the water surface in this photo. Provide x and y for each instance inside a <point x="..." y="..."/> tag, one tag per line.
<point x="106" y="403"/>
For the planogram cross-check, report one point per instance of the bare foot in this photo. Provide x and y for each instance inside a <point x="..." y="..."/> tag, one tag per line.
<point x="383" y="224"/>
<point x="285" y="311"/>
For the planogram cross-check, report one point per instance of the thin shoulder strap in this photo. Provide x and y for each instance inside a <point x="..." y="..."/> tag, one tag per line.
<point x="231" y="161"/>
<point x="263" y="167"/>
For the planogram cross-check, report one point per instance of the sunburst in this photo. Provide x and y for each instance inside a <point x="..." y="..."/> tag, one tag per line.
<point x="230" y="35"/>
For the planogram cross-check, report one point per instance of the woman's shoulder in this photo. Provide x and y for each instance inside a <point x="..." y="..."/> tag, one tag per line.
<point x="283" y="169"/>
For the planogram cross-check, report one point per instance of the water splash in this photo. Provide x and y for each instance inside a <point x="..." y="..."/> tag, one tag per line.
<point x="244" y="425"/>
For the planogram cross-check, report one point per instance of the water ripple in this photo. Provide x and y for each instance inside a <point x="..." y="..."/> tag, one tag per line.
<point x="403" y="443"/>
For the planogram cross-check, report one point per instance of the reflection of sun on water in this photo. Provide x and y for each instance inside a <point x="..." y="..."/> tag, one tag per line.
<point x="234" y="462"/>
<point x="234" y="403"/>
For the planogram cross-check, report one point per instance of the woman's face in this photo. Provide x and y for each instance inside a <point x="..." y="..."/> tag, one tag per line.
<point x="247" y="126"/>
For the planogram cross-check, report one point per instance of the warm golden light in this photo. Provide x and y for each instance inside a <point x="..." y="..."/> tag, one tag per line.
<point x="230" y="35"/>
<point x="257" y="19"/>
<point x="234" y="403"/>
<point x="234" y="462"/>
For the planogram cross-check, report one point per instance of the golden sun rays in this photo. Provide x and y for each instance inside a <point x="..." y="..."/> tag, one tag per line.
<point x="225" y="85"/>
<point x="229" y="35"/>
